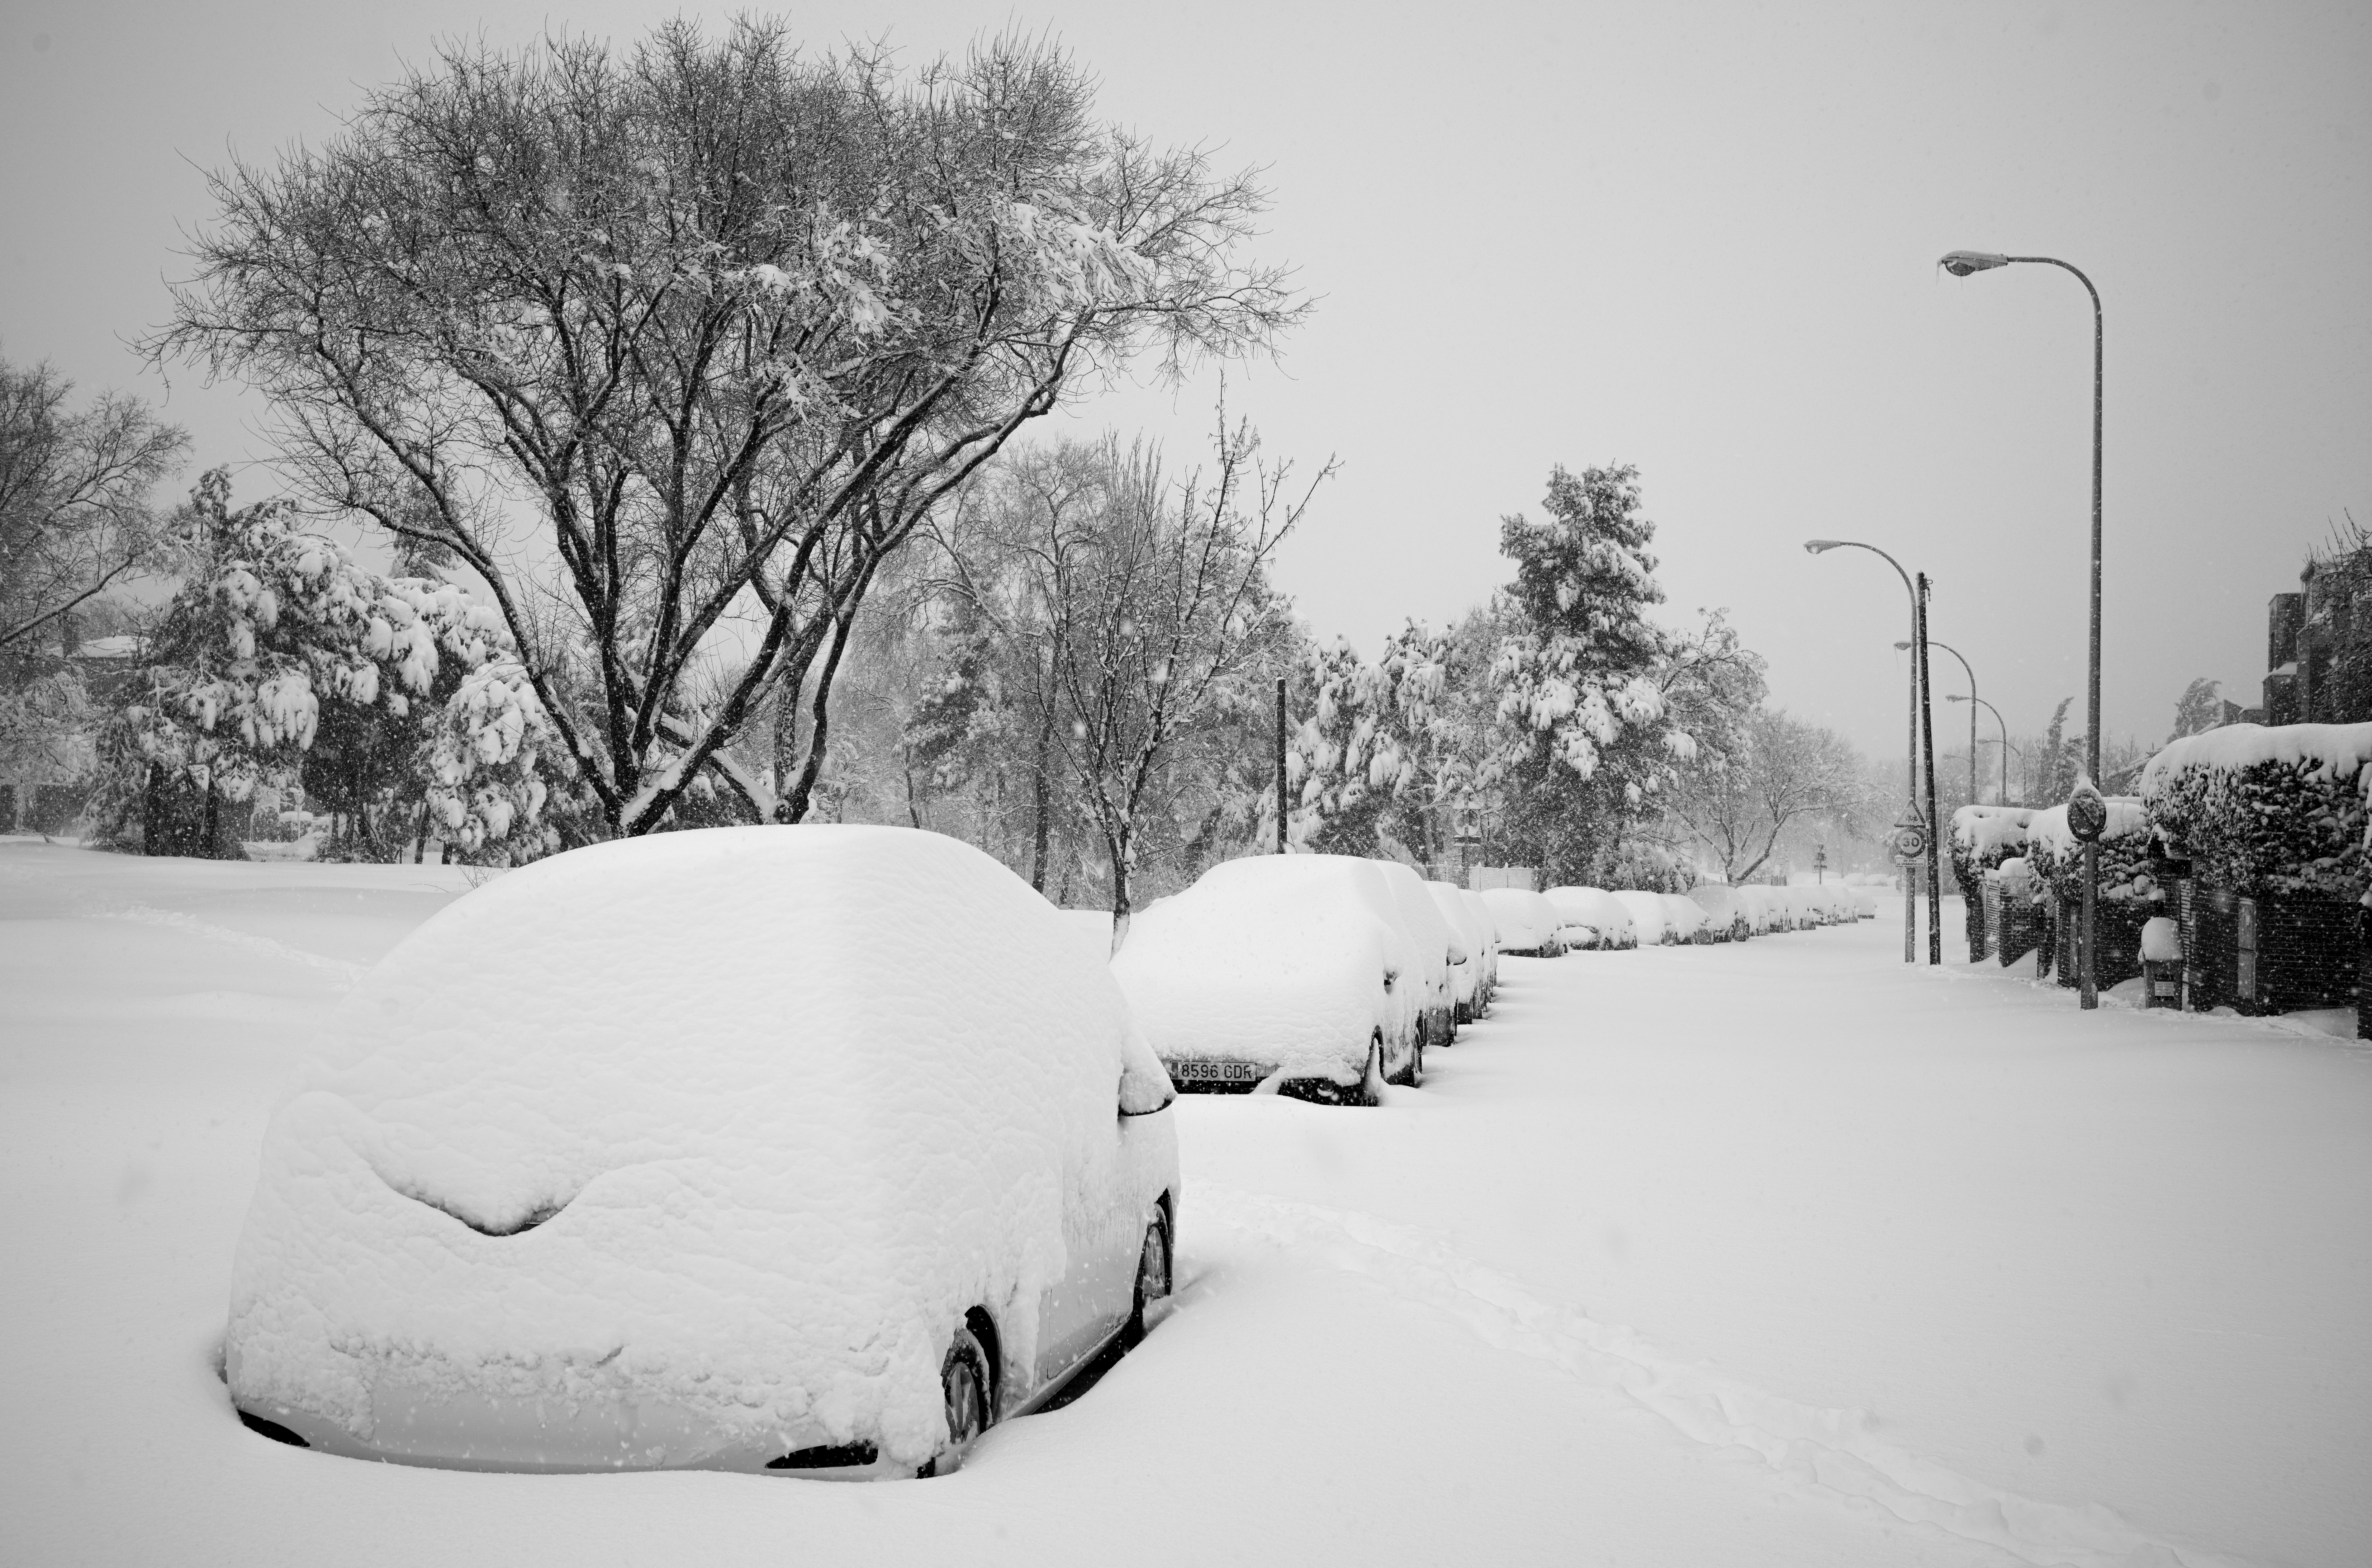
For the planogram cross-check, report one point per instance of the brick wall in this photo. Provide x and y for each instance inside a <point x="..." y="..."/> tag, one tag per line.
<point x="2307" y="954"/>
<point x="2023" y="927"/>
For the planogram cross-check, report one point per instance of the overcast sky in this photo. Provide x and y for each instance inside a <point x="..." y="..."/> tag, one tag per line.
<point x="1700" y="240"/>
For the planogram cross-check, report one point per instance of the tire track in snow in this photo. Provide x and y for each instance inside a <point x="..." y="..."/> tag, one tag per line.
<point x="339" y="970"/>
<point x="1818" y="1452"/>
<point x="85" y="908"/>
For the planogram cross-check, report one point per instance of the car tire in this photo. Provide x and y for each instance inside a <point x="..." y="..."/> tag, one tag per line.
<point x="1156" y="1265"/>
<point x="964" y="1384"/>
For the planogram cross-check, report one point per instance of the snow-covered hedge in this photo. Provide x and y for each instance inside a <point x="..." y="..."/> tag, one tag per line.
<point x="2261" y="810"/>
<point x="2057" y="855"/>
<point x="1982" y="838"/>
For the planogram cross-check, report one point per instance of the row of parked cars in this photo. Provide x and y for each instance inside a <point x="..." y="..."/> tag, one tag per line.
<point x="810" y="1151"/>
<point x="1326" y="976"/>
<point x="1566" y="919"/>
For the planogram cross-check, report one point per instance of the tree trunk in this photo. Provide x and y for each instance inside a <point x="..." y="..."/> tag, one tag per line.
<point x="794" y="807"/>
<point x="151" y="803"/>
<point x="419" y="844"/>
<point x="1119" y="910"/>
<point x="1041" y="800"/>
<point x="213" y="824"/>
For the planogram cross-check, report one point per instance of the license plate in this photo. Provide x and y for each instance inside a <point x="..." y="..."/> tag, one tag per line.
<point x="1217" y="1072"/>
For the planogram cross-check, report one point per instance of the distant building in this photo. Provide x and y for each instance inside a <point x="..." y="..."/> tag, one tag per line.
<point x="2319" y="645"/>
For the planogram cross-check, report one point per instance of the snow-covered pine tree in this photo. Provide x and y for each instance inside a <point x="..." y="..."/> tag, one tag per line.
<point x="280" y="636"/>
<point x="2199" y="709"/>
<point x="1379" y="756"/>
<point x="1587" y="741"/>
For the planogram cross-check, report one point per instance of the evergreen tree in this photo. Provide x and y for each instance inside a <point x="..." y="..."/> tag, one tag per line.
<point x="2200" y="708"/>
<point x="283" y="664"/>
<point x="1588" y="740"/>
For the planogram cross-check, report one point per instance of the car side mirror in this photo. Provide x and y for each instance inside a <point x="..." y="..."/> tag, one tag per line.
<point x="1144" y="1090"/>
<point x="1145" y="1085"/>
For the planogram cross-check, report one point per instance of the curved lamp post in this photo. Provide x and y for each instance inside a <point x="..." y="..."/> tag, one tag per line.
<point x="1910" y="898"/>
<point x="1972" y="712"/>
<point x="1961" y="263"/>
<point x="1975" y="703"/>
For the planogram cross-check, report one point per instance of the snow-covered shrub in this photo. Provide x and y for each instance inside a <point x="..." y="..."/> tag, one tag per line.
<point x="1984" y="836"/>
<point x="2266" y="810"/>
<point x="2055" y="855"/>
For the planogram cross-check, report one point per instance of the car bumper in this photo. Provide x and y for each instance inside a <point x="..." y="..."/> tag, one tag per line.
<point x="470" y="1431"/>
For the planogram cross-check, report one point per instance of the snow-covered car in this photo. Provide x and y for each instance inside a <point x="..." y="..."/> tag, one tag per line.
<point x="1439" y="948"/>
<point x="1486" y="932"/>
<point x="1726" y="908"/>
<point x="805" y="1150"/>
<point x="1471" y="977"/>
<point x="1526" y="925"/>
<point x="1091" y="930"/>
<point x="1864" y="904"/>
<point x="1594" y="918"/>
<point x="1687" y="920"/>
<point x="1647" y="913"/>
<point x="1291" y="969"/>
<point x="1476" y="976"/>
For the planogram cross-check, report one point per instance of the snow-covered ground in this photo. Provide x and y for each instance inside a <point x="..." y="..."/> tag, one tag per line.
<point x="1762" y="1254"/>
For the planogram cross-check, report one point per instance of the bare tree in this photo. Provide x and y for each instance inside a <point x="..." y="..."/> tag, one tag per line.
<point x="1780" y="771"/>
<point x="1140" y="613"/>
<point x="723" y="322"/>
<point x="75" y="519"/>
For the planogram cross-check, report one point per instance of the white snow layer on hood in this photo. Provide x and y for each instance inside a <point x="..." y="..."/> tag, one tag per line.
<point x="788" y="1100"/>
<point x="1276" y="959"/>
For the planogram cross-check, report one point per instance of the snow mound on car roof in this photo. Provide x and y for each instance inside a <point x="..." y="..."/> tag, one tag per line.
<point x="786" y="1102"/>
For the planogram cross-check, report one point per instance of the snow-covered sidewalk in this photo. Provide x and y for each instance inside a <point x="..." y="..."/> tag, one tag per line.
<point x="1778" y="1253"/>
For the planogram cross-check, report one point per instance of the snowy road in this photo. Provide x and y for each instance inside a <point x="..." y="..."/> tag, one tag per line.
<point x="1763" y="1255"/>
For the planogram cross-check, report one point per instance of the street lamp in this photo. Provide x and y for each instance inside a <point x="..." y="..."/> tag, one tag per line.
<point x="1961" y="263"/>
<point x="1910" y="900"/>
<point x="1975" y="703"/>
<point x="1972" y="712"/>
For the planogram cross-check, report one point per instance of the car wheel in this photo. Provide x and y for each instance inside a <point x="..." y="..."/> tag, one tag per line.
<point x="963" y="1380"/>
<point x="1152" y="1261"/>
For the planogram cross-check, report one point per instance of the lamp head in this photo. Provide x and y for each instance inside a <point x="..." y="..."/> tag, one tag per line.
<point x="1902" y="647"/>
<point x="1814" y="546"/>
<point x="1955" y="697"/>
<point x="1961" y="263"/>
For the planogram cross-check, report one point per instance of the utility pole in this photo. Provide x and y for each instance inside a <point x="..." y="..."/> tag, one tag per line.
<point x="1935" y="829"/>
<point x="1280" y="764"/>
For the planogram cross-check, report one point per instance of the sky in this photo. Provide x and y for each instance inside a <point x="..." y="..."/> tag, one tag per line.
<point x="1700" y="240"/>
